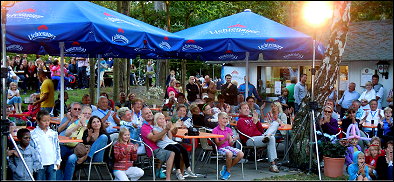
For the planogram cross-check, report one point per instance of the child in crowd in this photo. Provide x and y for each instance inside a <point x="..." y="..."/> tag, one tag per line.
<point x="14" y="98"/>
<point x="353" y="147"/>
<point x="167" y="143"/>
<point x="46" y="142"/>
<point x="32" y="110"/>
<point x="30" y="156"/>
<point x="375" y="141"/>
<point x="225" y="145"/>
<point x="125" y="154"/>
<point x="372" y="159"/>
<point x="358" y="171"/>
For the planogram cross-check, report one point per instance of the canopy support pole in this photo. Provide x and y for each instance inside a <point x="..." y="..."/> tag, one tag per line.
<point x="247" y="75"/>
<point x="5" y="122"/>
<point x="61" y="46"/>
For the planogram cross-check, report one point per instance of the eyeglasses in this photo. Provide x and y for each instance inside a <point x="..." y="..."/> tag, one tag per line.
<point x="26" y="137"/>
<point x="87" y="113"/>
<point x="328" y="111"/>
<point x="77" y="109"/>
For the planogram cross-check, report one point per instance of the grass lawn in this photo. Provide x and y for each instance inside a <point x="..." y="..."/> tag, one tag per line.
<point x="76" y="94"/>
<point x="304" y="177"/>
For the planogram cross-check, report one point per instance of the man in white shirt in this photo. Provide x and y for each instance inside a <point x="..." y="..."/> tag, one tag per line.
<point x="378" y="89"/>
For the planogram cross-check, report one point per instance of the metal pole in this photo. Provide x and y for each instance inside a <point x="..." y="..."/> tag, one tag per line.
<point x="313" y="126"/>
<point x="61" y="46"/>
<point x="4" y="96"/>
<point x="247" y="76"/>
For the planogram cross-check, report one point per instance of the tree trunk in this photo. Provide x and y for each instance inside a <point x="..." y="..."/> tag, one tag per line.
<point x="324" y="81"/>
<point x="168" y="16"/>
<point x="92" y="80"/>
<point x="119" y="64"/>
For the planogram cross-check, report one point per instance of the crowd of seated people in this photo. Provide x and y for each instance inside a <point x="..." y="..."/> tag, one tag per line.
<point x="131" y="120"/>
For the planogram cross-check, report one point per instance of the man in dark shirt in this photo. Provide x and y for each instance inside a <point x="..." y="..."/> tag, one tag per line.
<point x="229" y="91"/>
<point x="193" y="91"/>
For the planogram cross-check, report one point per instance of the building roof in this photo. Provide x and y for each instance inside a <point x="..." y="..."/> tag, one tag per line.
<point x="369" y="40"/>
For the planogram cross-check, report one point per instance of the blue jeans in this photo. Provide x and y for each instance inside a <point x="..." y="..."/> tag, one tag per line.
<point x="68" y="161"/>
<point x="48" y="173"/>
<point x="99" y="157"/>
<point x="58" y="78"/>
<point x="14" y="100"/>
<point x="49" y="109"/>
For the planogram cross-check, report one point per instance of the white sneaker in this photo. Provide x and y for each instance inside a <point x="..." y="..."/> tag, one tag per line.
<point x="190" y="174"/>
<point x="179" y="176"/>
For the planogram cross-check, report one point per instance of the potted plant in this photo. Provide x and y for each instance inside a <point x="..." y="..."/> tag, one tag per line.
<point x="333" y="153"/>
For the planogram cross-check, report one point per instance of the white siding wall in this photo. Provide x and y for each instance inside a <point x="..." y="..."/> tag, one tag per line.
<point x="355" y="71"/>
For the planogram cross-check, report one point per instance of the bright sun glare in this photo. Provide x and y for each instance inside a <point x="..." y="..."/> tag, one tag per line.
<point x="317" y="12"/>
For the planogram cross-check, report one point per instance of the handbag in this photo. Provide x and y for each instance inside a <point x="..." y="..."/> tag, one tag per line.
<point x="191" y="131"/>
<point x="81" y="151"/>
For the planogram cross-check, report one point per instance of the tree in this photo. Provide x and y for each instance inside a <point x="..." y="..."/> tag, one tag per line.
<point x="324" y="81"/>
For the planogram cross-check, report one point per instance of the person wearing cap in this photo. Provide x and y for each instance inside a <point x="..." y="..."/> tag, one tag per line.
<point x="178" y="87"/>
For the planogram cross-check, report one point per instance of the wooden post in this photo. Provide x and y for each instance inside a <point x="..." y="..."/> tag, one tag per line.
<point x="92" y="80"/>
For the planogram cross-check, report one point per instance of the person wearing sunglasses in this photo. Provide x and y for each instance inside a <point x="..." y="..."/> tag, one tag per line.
<point x="71" y="117"/>
<point x="327" y="123"/>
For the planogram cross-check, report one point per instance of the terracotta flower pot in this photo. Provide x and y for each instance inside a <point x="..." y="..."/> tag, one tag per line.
<point x="333" y="167"/>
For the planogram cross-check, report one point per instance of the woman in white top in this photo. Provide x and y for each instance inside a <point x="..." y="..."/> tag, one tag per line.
<point x="14" y="98"/>
<point x="277" y="114"/>
<point x="367" y="96"/>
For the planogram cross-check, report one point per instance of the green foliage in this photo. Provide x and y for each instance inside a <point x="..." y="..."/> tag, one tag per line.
<point x="332" y="149"/>
<point x="371" y="10"/>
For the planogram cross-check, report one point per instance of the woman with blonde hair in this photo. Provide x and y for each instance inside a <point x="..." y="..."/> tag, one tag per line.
<point x="167" y="143"/>
<point x="367" y="95"/>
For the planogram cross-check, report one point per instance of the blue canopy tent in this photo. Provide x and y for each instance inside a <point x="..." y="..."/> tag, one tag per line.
<point x="83" y="29"/>
<point x="246" y="36"/>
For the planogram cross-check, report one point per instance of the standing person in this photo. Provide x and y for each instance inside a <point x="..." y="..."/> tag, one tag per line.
<point x="347" y="98"/>
<point x="229" y="91"/>
<point x="225" y="145"/>
<point x="31" y="156"/>
<point x="82" y="78"/>
<point x="367" y="96"/>
<point x="149" y="73"/>
<point x="125" y="154"/>
<point x="379" y="90"/>
<point x="170" y="77"/>
<point x="150" y="139"/>
<point x="46" y="142"/>
<point x="208" y="88"/>
<point x="31" y="74"/>
<point x="252" y="127"/>
<point x="133" y="77"/>
<point x="110" y="63"/>
<point x="193" y="91"/>
<point x="47" y="93"/>
<point x="106" y="115"/>
<point x="14" y="97"/>
<point x="251" y="90"/>
<point x="24" y="77"/>
<point x="300" y="91"/>
<point x="103" y="67"/>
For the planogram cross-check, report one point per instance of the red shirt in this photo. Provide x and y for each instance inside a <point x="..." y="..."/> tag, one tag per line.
<point x="124" y="158"/>
<point x="245" y="125"/>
